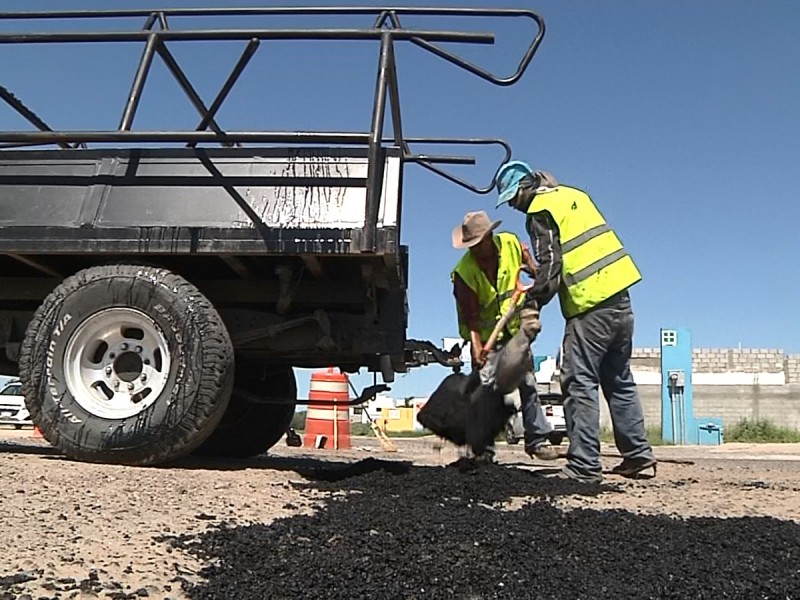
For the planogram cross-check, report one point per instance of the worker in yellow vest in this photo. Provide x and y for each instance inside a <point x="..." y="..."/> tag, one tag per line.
<point x="581" y="258"/>
<point x="483" y="282"/>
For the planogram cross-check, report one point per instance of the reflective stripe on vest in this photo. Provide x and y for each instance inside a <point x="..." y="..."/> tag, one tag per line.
<point x="493" y="302"/>
<point x="593" y="268"/>
<point x="595" y="265"/>
<point x="584" y="237"/>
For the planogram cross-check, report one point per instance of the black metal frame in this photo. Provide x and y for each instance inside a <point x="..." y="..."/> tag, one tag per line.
<point x="157" y="31"/>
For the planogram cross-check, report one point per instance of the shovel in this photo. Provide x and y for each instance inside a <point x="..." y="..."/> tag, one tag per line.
<point x="488" y="411"/>
<point x="519" y="289"/>
<point x="462" y="410"/>
<point x="514" y="360"/>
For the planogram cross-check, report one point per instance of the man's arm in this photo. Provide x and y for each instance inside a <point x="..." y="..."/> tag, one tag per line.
<point x="469" y="311"/>
<point x="528" y="264"/>
<point x="547" y="250"/>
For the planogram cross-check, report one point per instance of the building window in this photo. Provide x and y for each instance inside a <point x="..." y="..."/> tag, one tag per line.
<point x="669" y="337"/>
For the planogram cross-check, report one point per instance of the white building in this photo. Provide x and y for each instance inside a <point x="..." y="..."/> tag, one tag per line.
<point x="372" y="409"/>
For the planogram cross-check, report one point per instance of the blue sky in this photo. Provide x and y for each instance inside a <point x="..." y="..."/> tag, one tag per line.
<point x="679" y="117"/>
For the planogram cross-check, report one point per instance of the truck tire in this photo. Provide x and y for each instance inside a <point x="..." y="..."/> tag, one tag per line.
<point x="249" y="428"/>
<point x="126" y="364"/>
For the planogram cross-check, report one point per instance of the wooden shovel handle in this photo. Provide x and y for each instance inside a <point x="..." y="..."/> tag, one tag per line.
<point x="512" y="308"/>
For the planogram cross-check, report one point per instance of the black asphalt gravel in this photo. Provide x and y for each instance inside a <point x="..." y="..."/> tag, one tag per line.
<point x="428" y="532"/>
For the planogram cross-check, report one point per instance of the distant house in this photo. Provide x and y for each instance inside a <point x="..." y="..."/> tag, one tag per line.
<point x="372" y="409"/>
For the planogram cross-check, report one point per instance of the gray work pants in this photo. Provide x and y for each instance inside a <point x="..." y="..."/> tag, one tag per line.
<point x="537" y="428"/>
<point x="597" y="352"/>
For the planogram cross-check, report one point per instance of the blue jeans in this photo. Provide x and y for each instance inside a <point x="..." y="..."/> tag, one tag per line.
<point x="537" y="428"/>
<point x="597" y="352"/>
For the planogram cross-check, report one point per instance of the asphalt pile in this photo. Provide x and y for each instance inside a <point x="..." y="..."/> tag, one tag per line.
<point x="437" y="533"/>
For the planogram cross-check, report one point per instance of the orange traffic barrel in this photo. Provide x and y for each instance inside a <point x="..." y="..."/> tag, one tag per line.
<point x="328" y="424"/>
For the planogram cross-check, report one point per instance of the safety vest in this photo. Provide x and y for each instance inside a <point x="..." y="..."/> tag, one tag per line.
<point x="595" y="265"/>
<point x="493" y="302"/>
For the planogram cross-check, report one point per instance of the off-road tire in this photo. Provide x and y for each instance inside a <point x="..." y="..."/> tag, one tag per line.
<point x="249" y="428"/>
<point x="195" y="381"/>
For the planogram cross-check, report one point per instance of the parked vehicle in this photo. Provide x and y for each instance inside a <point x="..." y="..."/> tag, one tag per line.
<point x="12" y="406"/>
<point x="553" y="407"/>
<point x="155" y="293"/>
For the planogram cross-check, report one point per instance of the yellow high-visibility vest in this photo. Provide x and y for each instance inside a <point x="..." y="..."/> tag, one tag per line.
<point x="493" y="301"/>
<point x="595" y="265"/>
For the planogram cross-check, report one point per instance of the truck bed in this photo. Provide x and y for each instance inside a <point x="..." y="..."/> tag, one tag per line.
<point x="187" y="200"/>
<point x="272" y="237"/>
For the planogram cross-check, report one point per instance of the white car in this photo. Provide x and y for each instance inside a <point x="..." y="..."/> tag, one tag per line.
<point x="553" y="407"/>
<point x="12" y="406"/>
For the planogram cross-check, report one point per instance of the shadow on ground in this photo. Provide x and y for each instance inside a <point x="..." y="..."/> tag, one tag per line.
<point x="390" y="529"/>
<point x="437" y="533"/>
<point x="28" y="448"/>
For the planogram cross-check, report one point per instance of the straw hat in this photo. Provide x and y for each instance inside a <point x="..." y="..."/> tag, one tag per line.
<point x="474" y="227"/>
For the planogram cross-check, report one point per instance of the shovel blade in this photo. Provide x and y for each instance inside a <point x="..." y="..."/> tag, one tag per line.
<point x="446" y="411"/>
<point x="466" y="413"/>
<point x="514" y="361"/>
<point x="487" y="417"/>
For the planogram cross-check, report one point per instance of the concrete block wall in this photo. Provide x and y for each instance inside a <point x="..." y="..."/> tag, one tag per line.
<point x="732" y="403"/>
<point x="779" y="404"/>
<point x="724" y="360"/>
<point x="650" y="395"/>
<point x="792" y="368"/>
<point x="748" y="360"/>
<point x="646" y="359"/>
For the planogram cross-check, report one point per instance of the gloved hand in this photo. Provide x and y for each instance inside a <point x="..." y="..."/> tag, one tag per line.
<point x="529" y="322"/>
<point x="478" y="356"/>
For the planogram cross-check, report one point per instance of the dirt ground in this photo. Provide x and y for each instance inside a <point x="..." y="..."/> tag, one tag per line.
<point x="75" y="530"/>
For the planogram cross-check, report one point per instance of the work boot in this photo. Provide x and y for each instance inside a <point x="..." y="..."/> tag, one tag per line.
<point x="487" y="458"/>
<point x="567" y="474"/>
<point x="632" y="467"/>
<point x="543" y="451"/>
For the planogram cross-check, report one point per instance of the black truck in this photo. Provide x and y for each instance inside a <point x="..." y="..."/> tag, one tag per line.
<point x="158" y="287"/>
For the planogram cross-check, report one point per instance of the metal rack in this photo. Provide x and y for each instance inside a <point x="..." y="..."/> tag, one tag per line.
<point x="161" y="28"/>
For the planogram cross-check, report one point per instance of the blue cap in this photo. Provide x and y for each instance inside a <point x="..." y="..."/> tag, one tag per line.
<point x="508" y="177"/>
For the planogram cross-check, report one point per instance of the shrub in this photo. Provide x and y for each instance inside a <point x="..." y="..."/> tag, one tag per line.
<point x="364" y="429"/>
<point x="760" y="431"/>
<point x="360" y="429"/>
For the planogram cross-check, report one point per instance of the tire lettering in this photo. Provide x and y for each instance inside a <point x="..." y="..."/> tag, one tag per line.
<point x="69" y="416"/>
<point x="180" y="374"/>
<point x="50" y="380"/>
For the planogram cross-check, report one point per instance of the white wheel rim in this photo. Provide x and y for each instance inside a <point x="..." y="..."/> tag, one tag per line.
<point x="116" y="363"/>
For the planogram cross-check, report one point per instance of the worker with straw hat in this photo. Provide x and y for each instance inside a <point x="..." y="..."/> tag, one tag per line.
<point x="484" y="281"/>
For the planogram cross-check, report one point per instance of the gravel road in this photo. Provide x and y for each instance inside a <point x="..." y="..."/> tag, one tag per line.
<point x="363" y="523"/>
